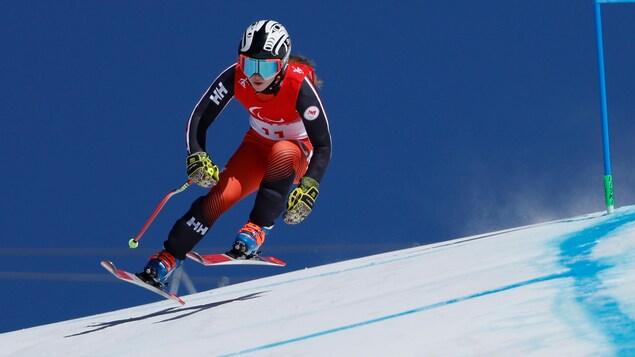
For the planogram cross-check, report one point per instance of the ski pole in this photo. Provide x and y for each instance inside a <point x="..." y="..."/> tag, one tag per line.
<point x="134" y="242"/>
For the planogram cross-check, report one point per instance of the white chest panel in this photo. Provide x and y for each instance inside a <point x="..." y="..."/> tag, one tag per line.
<point x="284" y="131"/>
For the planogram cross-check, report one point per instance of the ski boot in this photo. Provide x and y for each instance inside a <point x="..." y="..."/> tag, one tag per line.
<point x="159" y="268"/>
<point x="248" y="241"/>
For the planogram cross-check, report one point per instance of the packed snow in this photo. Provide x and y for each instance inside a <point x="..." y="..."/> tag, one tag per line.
<point x="552" y="289"/>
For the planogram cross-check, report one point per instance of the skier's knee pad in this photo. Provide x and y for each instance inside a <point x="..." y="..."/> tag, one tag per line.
<point x="188" y="230"/>
<point x="271" y="201"/>
<point x="284" y="161"/>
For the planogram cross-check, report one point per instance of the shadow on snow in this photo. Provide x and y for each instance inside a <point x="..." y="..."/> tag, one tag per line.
<point x="167" y="312"/>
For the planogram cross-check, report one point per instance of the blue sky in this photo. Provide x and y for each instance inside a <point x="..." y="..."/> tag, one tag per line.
<point x="448" y="119"/>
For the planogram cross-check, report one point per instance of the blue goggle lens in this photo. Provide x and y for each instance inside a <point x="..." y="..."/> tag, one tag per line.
<point x="267" y="68"/>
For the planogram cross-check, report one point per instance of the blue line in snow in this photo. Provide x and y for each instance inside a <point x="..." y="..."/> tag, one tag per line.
<point x="400" y="314"/>
<point x="575" y="255"/>
<point x="415" y="254"/>
<point x="589" y="290"/>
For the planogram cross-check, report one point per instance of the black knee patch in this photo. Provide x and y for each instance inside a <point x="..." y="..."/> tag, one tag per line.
<point x="271" y="201"/>
<point x="187" y="230"/>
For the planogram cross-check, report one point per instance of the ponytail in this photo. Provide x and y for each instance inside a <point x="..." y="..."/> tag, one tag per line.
<point x="307" y="62"/>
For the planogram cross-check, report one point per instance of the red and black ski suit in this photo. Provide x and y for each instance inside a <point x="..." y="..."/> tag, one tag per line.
<point x="288" y="138"/>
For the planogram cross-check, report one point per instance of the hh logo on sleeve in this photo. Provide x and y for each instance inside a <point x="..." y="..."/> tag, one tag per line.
<point x="218" y="94"/>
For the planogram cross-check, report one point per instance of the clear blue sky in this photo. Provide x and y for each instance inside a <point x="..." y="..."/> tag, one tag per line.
<point x="448" y="118"/>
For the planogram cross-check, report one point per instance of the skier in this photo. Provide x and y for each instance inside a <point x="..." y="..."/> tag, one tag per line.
<point x="288" y="143"/>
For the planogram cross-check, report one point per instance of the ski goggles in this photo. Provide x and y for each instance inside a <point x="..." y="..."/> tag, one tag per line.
<point x="266" y="68"/>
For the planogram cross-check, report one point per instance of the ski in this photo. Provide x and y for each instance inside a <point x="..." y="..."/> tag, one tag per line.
<point x="223" y="259"/>
<point x="133" y="279"/>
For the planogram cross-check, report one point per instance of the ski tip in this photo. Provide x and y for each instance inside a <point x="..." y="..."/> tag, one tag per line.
<point x="276" y="261"/>
<point x="108" y="265"/>
<point x="195" y="256"/>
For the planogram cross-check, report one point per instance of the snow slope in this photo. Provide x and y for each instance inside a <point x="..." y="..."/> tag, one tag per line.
<point x="552" y="289"/>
